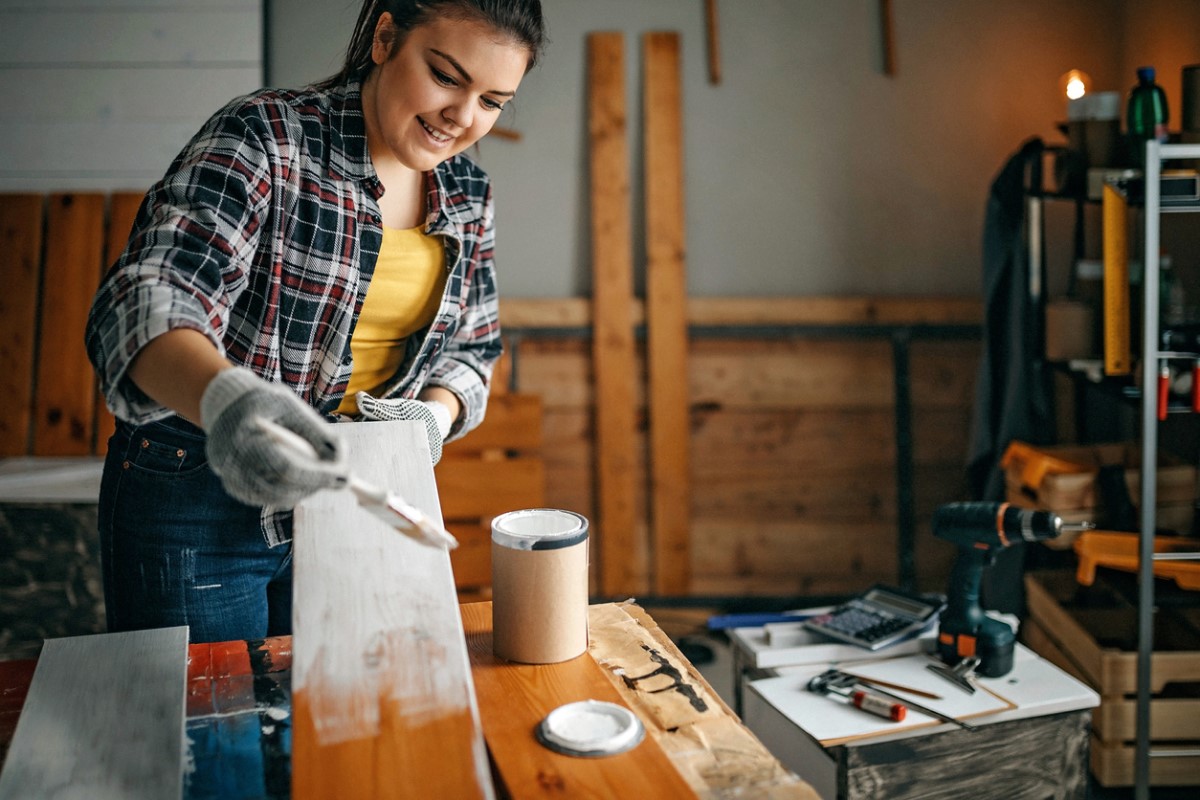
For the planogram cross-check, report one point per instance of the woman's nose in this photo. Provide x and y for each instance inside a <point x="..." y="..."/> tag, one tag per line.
<point x="459" y="114"/>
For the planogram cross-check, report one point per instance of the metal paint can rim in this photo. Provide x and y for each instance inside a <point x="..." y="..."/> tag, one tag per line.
<point x="539" y="529"/>
<point x="591" y="728"/>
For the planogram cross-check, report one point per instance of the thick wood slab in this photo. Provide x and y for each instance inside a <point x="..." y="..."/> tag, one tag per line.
<point x="514" y="698"/>
<point x="382" y="694"/>
<point x="103" y="719"/>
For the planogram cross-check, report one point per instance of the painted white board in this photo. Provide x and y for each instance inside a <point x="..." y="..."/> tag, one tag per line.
<point x="103" y="720"/>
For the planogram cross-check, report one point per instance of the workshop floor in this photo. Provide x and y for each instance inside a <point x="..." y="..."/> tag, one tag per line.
<point x="710" y="653"/>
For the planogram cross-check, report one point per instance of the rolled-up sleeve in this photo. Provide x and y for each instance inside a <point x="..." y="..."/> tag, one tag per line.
<point x="186" y="260"/>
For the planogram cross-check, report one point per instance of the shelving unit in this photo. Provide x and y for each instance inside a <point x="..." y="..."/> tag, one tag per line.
<point x="1152" y="356"/>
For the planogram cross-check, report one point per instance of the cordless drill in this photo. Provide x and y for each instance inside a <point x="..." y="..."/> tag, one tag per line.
<point x="980" y="530"/>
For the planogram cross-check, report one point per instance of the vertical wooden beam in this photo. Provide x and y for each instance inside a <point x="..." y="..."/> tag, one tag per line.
<point x="666" y="312"/>
<point x="714" y="41"/>
<point x="887" y="37"/>
<point x="122" y="209"/>
<point x="103" y="719"/>
<point x="612" y="317"/>
<point x="20" y="266"/>
<point x="65" y="397"/>
<point x="383" y="703"/>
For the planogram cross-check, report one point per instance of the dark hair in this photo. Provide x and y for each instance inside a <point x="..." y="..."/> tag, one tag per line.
<point x="519" y="19"/>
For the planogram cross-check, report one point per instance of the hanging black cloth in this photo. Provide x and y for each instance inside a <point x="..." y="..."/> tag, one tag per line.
<point x="1013" y="397"/>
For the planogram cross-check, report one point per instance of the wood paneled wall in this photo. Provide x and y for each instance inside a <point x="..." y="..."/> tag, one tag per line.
<point x="793" y="435"/>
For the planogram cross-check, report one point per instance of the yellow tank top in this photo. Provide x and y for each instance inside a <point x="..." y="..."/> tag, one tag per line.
<point x="403" y="298"/>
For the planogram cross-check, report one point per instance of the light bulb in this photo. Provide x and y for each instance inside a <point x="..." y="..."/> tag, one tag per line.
<point x="1075" y="84"/>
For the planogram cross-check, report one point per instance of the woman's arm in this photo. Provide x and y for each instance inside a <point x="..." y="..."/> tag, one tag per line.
<point x="175" y="368"/>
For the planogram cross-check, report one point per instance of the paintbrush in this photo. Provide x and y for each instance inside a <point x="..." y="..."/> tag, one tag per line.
<point x="386" y="506"/>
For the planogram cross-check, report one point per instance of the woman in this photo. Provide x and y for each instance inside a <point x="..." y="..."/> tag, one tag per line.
<point x="309" y="256"/>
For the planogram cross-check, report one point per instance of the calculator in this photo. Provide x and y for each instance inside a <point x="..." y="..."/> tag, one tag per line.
<point x="881" y="616"/>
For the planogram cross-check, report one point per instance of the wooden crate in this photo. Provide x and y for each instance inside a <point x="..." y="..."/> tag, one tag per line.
<point x="1076" y="497"/>
<point x="1091" y="633"/>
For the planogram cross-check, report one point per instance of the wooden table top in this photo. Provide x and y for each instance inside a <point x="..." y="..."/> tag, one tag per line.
<point x="239" y="724"/>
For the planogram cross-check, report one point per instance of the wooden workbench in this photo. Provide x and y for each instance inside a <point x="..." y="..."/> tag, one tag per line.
<point x="239" y="714"/>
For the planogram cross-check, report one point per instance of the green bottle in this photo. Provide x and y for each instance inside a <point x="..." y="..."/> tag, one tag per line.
<point x="1146" y="115"/>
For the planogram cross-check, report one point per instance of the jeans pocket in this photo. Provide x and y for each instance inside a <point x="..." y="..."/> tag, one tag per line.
<point x="158" y="450"/>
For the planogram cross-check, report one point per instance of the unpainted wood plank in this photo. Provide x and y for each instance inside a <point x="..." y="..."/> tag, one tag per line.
<point x="513" y="422"/>
<point x="666" y="311"/>
<point x="103" y="719"/>
<point x="65" y="394"/>
<point x="474" y="488"/>
<point x="573" y="312"/>
<point x="614" y="365"/>
<point x="514" y="698"/>
<point x="836" y="374"/>
<point x="122" y="209"/>
<point x="20" y="255"/>
<point x="383" y="702"/>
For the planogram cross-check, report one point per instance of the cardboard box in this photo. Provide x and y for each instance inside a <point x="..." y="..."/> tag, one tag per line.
<point x="1091" y="634"/>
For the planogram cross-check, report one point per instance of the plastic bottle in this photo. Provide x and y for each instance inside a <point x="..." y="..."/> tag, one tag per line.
<point x="1146" y="114"/>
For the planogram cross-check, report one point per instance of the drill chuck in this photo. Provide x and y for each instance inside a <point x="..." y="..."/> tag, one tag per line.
<point x="996" y="525"/>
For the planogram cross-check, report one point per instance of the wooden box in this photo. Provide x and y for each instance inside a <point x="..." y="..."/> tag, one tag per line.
<point x="1091" y="633"/>
<point x="1075" y="496"/>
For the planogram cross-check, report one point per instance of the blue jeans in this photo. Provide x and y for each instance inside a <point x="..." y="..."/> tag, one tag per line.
<point x="177" y="550"/>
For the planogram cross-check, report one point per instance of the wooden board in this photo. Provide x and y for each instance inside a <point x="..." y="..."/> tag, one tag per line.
<point x="666" y="312"/>
<point x="382" y="694"/>
<point x="103" y="719"/>
<point x="20" y="265"/>
<point x="65" y="397"/>
<point x="514" y="698"/>
<point x="613" y="360"/>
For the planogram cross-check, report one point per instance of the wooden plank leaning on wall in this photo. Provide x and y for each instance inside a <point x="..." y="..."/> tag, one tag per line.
<point x="666" y="323"/>
<point x="614" y="364"/>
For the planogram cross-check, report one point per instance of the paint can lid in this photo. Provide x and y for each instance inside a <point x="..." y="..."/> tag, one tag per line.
<point x="539" y="529"/>
<point x="591" y="728"/>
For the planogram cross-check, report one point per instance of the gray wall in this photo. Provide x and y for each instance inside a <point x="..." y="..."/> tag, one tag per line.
<point x="808" y="170"/>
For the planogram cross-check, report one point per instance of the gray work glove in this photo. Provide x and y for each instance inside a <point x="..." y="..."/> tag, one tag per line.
<point x="435" y="415"/>
<point x="252" y="466"/>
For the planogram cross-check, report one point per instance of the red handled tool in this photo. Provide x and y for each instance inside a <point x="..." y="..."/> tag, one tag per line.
<point x="833" y="681"/>
<point x="1164" y="390"/>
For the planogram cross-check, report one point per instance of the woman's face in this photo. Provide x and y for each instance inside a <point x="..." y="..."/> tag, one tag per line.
<point x="441" y="93"/>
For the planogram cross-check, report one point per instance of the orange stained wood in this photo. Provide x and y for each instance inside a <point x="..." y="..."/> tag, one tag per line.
<point x="65" y="399"/>
<point x="514" y="698"/>
<point x="382" y="700"/>
<point x="614" y="362"/>
<point x="666" y="314"/>
<point x="20" y="252"/>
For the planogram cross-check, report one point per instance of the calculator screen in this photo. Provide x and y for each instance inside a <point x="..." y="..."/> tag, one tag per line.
<point x="895" y="603"/>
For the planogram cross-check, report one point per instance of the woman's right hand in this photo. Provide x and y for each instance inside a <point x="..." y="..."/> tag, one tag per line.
<point x="254" y="467"/>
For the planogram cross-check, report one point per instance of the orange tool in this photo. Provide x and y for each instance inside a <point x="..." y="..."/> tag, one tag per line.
<point x="1036" y="464"/>
<point x="1118" y="550"/>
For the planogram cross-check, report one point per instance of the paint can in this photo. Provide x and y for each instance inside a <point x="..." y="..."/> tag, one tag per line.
<point x="539" y="585"/>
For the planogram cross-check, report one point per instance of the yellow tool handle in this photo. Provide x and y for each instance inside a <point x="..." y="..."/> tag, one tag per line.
<point x="1117" y="359"/>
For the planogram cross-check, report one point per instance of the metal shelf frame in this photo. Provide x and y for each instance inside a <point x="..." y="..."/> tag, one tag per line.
<point x="1156" y="153"/>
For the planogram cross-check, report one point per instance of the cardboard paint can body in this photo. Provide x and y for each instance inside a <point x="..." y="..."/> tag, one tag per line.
<point x="539" y="585"/>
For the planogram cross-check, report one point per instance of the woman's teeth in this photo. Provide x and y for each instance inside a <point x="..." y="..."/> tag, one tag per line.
<point x="437" y="136"/>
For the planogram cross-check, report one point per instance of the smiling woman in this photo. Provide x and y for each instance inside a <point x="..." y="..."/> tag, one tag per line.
<point x="311" y="256"/>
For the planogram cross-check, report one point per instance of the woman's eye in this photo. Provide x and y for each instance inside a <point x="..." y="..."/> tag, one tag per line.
<point x="494" y="105"/>
<point x="442" y="77"/>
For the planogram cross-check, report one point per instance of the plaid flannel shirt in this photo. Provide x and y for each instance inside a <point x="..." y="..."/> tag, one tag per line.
<point x="264" y="234"/>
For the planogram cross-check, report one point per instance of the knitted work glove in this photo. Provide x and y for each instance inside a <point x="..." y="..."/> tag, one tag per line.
<point x="254" y="468"/>
<point x="435" y="415"/>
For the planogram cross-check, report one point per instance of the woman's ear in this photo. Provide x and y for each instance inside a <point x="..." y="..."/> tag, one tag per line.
<point x="385" y="37"/>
